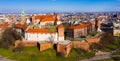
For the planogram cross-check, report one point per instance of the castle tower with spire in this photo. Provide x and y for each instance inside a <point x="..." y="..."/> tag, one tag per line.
<point x="23" y="17"/>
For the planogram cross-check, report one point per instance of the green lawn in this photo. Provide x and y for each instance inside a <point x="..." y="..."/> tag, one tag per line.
<point x="116" y="53"/>
<point x="33" y="54"/>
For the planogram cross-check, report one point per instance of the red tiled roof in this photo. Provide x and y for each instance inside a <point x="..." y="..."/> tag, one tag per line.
<point x="47" y="19"/>
<point x="21" y="26"/>
<point x="5" y="24"/>
<point x="81" y="26"/>
<point x="39" y="30"/>
<point x="60" y="26"/>
<point x="44" y="16"/>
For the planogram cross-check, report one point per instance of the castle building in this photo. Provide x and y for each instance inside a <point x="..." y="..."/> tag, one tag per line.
<point x="98" y="24"/>
<point x="43" y="28"/>
<point x="116" y="29"/>
<point x="76" y="31"/>
<point x="42" y="34"/>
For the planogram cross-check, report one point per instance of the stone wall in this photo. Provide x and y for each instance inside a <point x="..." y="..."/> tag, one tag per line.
<point x="93" y="40"/>
<point x="24" y="43"/>
<point x="64" y="49"/>
<point x="85" y="45"/>
<point x="81" y="45"/>
<point x="30" y="43"/>
<point x="44" y="46"/>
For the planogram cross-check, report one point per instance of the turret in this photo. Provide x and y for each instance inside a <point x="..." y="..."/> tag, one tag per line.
<point x="60" y="32"/>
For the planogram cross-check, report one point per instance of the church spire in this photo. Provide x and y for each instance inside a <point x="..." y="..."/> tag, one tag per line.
<point x="23" y="17"/>
<point x="22" y="13"/>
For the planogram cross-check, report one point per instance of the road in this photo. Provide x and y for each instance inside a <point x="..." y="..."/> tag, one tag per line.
<point x="4" y="59"/>
<point x="98" y="57"/>
<point x="102" y="56"/>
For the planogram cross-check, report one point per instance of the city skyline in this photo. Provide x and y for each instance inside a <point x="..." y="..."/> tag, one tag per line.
<point x="11" y="6"/>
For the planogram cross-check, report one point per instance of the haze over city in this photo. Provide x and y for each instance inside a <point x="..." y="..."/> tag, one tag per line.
<point x="37" y="6"/>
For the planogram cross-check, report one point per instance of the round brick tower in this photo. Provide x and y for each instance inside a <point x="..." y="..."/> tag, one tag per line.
<point x="98" y="24"/>
<point x="60" y="33"/>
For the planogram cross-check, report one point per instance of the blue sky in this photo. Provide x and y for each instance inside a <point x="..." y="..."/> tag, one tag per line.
<point x="60" y="5"/>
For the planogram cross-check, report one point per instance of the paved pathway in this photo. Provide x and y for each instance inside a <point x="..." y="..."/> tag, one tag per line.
<point x="102" y="56"/>
<point x="4" y="59"/>
<point x="98" y="57"/>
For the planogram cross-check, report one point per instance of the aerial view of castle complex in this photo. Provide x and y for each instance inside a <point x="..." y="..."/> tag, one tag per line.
<point x="59" y="30"/>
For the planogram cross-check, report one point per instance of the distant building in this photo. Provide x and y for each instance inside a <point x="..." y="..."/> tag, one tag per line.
<point x="80" y="30"/>
<point x="46" y="19"/>
<point x="98" y="24"/>
<point x="3" y="26"/>
<point x="116" y="29"/>
<point x="2" y="17"/>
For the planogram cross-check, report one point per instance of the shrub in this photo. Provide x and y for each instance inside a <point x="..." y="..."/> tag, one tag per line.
<point x="18" y="49"/>
<point x="9" y="36"/>
<point x="60" y="54"/>
<point x="82" y="36"/>
<point x="3" y="44"/>
<point x="116" y="58"/>
<point x="112" y="47"/>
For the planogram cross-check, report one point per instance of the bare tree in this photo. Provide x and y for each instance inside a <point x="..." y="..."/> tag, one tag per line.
<point x="9" y="36"/>
<point x="51" y="38"/>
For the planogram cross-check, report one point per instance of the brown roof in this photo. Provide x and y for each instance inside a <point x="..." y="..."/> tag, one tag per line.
<point x="81" y="26"/>
<point x="38" y="30"/>
<point x="47" y="19"/>
<point x="5" y="24"/>
<point x="44" y="16"/>
<point x="21" y="26"/>
<point x="60" y="26"/>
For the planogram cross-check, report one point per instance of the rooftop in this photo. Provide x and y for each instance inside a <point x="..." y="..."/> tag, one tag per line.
<point x="47" y="19"/>
<point x="21" y="26"/>
<point x="5" y="24"/>
<point x="81" y="26"/>
<point x="44" y="16"/>
<point x="38" y="30"/>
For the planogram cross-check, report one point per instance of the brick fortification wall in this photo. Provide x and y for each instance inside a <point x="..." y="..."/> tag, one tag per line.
<point x="85" y="45"/>
<point x="81" y="45"/>
<point x="44" y="46"/>
<point x="64" y="49"/>
<point x="93" y="40"/>
<point x="17" y="43"/>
